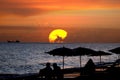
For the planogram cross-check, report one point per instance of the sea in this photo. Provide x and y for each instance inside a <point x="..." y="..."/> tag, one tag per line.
<point x="23" y="58"/>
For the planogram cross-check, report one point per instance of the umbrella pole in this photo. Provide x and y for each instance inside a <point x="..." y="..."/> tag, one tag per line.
<point x="100" y="59"/>
<point x="80" y="61"/>
<point x="118" y="56"/>
<point x="63" y="62"/>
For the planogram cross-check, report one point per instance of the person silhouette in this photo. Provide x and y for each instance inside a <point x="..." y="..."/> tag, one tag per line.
<point x="57" y="72"/>
<point x="46" y="72"/>
<point x="89" y="68"/>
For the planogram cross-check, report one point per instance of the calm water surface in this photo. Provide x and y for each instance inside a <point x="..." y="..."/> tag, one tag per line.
<point x="23" y="58"/>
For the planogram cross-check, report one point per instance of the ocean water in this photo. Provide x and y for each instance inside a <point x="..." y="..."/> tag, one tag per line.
<point x="21" y="58"/>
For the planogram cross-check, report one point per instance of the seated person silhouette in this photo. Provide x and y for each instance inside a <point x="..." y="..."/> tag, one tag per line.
<point x="46" y="72"/>
<point x="89" y="68"/>
<point x="57" y="72"/>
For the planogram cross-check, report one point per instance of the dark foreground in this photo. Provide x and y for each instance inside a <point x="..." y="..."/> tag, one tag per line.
<point x="100" y="75"/>
<point x="111" y="72"/>
<point x="103" y="77"/>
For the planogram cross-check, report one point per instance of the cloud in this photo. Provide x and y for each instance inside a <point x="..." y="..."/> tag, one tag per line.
<point x="18" y="28"/>
<point x="23" y="8"/>
<point x="21" y="11"/>
<point x="93" y="35"/>
<point x="35" y="7"/>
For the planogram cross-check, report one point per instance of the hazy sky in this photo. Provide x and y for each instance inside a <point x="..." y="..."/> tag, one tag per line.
<point x="84" y="20"/>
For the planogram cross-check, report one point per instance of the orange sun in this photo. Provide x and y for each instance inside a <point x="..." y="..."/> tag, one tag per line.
<point x="57" y="36"/>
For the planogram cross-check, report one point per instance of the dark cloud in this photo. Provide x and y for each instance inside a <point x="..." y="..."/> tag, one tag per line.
<point x="20" y="8"/>
<point x="93" y="35"/>
<point x="33" y="7"/>
<point x="18" y="28"/>
<point x="21" y="11"/>
<point x="111" y="1"/>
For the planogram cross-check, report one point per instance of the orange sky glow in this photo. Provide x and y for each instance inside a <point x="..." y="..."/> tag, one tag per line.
<point x="84" y="20"/>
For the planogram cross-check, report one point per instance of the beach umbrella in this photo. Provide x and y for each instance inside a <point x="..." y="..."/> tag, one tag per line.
<point x="81" y="51"/>
<point x="100" y="53"/>
<point x="116" y="51"/>
<point x="63" y="51"/>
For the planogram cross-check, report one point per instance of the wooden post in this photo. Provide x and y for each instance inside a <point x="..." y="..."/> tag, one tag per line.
<point x="63" y="62"/>
<point x="80" y="62"/>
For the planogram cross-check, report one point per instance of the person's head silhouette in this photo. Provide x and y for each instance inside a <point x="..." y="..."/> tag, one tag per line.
<point x="54" y="64"/>
<point x="48" y="64"/>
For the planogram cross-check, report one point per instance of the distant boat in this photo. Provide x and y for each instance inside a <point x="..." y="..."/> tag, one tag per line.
<point x="11" y="41"/>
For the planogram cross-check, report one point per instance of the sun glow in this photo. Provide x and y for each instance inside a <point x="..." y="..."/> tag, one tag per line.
<point x="57" y="36"/>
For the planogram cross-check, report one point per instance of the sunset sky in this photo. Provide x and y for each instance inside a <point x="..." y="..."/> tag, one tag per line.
<point x="84" y="20"/>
